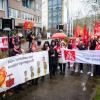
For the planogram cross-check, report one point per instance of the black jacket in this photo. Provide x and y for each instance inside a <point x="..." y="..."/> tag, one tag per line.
<point x="53" y="56"/>
<point x="82" y="47"/>
<point x="92" y="45"/>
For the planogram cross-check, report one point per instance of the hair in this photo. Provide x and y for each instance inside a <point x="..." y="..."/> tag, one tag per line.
<point x="53" y="41"/>
<point x="46" y="42"/>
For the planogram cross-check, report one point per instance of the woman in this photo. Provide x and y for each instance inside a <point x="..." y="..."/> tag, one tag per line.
<point x="46" y="46"/>
<point x="53" y="59"/>
<point x="16" y="50"/>
<point x="34" y="47"/>
<point x="62" y="63"/>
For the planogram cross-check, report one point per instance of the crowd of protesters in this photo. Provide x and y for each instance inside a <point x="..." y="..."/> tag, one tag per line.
<point x="56" y="63"/>
<point x="54" y="49"/>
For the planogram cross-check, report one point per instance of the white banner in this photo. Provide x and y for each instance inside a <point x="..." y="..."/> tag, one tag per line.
<point x="20" y="69"/>
<point x="3" y="42"/>
<point x="82" y="56"/>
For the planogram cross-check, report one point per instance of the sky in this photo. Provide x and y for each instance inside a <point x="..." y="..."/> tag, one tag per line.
<point x="77" y="9"/>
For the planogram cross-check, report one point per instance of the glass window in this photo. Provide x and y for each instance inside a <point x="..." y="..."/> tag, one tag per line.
<point x="54" y="2"/>
<point x="1" y="4"/>
<point x="25" y="3"/>
<point x="59" y="20"/>
<point x="22" y="15"/>
<point x="49" y="25"/>
<point x="55" y="19"/>
<point x="50" y="2"/>
<point x="33" y="17"/>
<point x="14" y="13"/>
<point x="60" y="2"/>
<point x="26" y="17"/>
<point x="55" y="13"/>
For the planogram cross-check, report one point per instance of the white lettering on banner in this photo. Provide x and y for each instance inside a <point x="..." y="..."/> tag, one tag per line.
<point x="82" y="56"/>
<point x="22" y="68"/>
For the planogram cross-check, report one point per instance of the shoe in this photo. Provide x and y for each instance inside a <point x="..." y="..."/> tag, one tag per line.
<point x="88" y="73"/>
<point x="91" y="74"/>
<point x="81" y="71"/>
<point x="76" y="71"/>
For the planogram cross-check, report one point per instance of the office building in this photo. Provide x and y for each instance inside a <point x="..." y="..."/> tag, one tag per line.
<point x="23" y="10"/>
<point x="55" y="13"/>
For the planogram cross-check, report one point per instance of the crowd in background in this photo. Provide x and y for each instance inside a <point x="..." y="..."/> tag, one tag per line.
<point x="54" y="49"/>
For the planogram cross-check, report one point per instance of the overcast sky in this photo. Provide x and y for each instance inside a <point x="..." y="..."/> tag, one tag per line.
<point x="77" y="9"/>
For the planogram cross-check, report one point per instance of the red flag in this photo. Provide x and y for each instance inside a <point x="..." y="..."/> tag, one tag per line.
<point x="85" y="35"/>
<point x="97" y="28"/>
<point x="77" y="31"/>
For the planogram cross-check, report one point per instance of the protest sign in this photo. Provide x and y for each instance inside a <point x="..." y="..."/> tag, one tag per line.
<point x="22" y="68"/>
<point x="82" y="56"/>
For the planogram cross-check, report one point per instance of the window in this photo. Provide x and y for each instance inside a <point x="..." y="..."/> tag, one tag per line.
<point x="33" y="17"/>
<point x="54" y="2"/>
<point x="1" y="4"/>
<point x="59" y="20"/>
<point x="49" y="26"/>
<point x="26" y="17"/>
<point x="59" y="2"/>
<point x="25" y="3"/>
<point x="38" y="6"/>
<point x="22" y="15"/>
<point x="50" y="2"/>
<point x="14" y="13"/>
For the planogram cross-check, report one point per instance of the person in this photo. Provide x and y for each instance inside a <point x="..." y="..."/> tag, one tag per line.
<point x="53" y="59"/>
<point x="34" y="47"/>
<point x="81" y="46"/>
<point x="17" y="40"/>
<point x="57" y="48"/>
<point x="11" y="44"/>
<point x="46" y="46"/>
<point x="39" y="39"/>
<point x="62" y="63"/>
<point x="74" y="65"/>
<point x="97" y="67"/>
<point x="69" y="46"/>
<point x="29" y="37"/>
<point x="16" y="50"/>
<point x="92" y="46"/>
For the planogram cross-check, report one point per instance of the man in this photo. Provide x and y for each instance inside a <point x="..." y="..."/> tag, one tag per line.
<point x="29" y="37"/>
<point x="81" y="46"/>
<point x="92" y="46"/>
<point x="39" y="39"/>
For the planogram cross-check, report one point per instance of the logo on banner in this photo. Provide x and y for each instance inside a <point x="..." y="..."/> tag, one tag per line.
<point x="69" y="55"/>
<point x="5" y="41"/>
<point x="2" y="76"/>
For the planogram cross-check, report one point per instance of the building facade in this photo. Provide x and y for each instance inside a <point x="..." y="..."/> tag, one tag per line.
<point x="24" y="10"/>
<point x="3" y="8"/>
<point x="55" y="13"/>
<point x="45" y="15"/>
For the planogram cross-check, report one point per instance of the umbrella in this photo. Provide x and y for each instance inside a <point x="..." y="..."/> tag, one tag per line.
<point x="97" y="34"/>
<point x="59" y="35"/>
